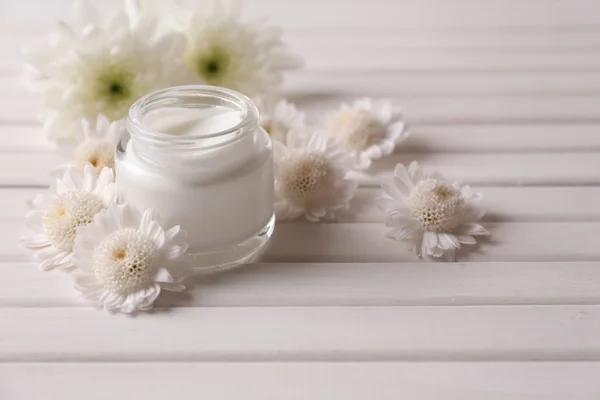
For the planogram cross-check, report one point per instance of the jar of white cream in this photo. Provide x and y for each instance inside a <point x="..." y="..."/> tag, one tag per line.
<point x="197" y="155"/>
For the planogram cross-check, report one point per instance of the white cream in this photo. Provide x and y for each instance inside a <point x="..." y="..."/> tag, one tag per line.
<point x="221" y="194"/>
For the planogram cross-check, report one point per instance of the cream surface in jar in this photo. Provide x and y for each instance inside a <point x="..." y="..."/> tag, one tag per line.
<point x="197" y="155"/>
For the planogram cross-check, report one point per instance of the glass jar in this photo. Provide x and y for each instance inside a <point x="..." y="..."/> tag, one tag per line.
<point x="197" y="155"/>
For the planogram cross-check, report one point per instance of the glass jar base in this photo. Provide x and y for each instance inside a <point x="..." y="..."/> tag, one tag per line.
<point x="243" y="253"/>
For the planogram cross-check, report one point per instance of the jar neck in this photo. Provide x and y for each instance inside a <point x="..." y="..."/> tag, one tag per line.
<point x="194" y="100"/>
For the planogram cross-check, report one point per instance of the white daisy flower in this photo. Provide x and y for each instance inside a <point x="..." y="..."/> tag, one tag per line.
<point x="55" y="217"/>
<point x="310" y="178"/>
<point x="90" y="68"/>
<point x="279" y="117"/>
<point x="438" y="216"/>
<point x="95" y="144"/>
<point x="125" y="258"/>
<point x="368" y="129"/>
<point x="224" y="50"/>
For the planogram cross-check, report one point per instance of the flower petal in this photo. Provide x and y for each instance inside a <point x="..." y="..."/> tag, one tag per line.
<point x="173" y="287"/>
<point x="415" y="172"/>
<point x="474" y="230"/>
<point x="60" y="260"/>
<point x="448" y="241"/>
<point x="402" y="178"/>
<point x="387" y="204"/>
<point x="35" y="241"/>
<point x="148" y="217"/>
<point x="162" y="275"/>
<point x="467" y="239"/>
<point x="34" y="221"/>
<point x="418" y="244"/>
<point x="89" y="178"/>
<point x="430" y="239"/>
<point x="401" y="233"/>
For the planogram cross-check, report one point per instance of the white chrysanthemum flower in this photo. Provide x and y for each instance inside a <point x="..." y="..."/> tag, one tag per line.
<point x="437" y="215"/>
<point x="55" y="217"/>
<point x="124" y="259"/>
<point x="310" y="178"/>
<point x="89" y="68"/>
<point x="368" y="129"/>
<point x="223" y="50"/>
<point x="95" y="144"/>
<point x="279" y="117"/>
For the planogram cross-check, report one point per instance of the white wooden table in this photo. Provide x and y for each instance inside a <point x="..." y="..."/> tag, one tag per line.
<point x="504" y="95"/>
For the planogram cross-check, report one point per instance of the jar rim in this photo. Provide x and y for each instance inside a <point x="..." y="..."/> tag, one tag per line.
<point x="159" y="98"/>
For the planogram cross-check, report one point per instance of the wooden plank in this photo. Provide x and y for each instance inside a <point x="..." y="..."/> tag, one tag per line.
<point x="503" y="204"/>
<point x="472" y="109"/>
<point x="497" y="169"/>
<point x="442" y="60"/>
<point x="32" y="168"/>
<point x="351" y="242"/>
<point x="349" y="284"/>
<point x="480" y="333"/>
<point x="300" y="381"/>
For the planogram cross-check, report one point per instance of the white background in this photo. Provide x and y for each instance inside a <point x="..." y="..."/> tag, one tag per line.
<point x="504" y="95"/>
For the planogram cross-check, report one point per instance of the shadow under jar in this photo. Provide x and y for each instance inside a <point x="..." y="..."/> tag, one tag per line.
<point x="197" y="155"/>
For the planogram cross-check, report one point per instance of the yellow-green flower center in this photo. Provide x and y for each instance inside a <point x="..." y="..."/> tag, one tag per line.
<point x="113" y="90"/>
<point x="213" y="64"/>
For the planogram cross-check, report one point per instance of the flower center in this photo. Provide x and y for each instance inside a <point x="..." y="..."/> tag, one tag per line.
<point x="306" y="178"/>
<point x="113" y="90"/>
<point x="66" y="213"/>
<point x="125" y="261"/>
<point x="99" y="154"/>
<point x="213" y="63"/>
<point x="357" y="129"/>
<point x="436" y="205"/>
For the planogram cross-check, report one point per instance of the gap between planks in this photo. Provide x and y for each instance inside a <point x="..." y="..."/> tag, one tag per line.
<point x="301" y="381"/>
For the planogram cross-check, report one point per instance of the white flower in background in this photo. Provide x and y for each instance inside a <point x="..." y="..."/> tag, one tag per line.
<point x="368" y="129"/>
<point x="124" y="259"/>
<point x="89" y="68"/>
<point x="279" y="117"/>
<point x="310" y="178"/>
<point x="55" y="217"/>
<point x="95" y="144"/>
<point x="436" y="215"/>
<point x="223" y="50"/>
